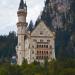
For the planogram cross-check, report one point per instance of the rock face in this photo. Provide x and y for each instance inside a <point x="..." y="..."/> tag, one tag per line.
<point x="56" y="13"/>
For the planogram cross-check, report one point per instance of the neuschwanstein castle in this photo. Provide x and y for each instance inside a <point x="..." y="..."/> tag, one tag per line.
<point x="39" y="43"/>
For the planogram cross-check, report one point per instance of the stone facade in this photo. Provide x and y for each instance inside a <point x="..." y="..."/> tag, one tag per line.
<point x="36" y="45"/>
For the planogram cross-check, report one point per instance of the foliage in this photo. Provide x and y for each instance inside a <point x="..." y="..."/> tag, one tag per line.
<point x="7" y="46"/>
<point x="55" y="67"/>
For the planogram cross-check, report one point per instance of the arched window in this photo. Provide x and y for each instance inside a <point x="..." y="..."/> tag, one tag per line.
<point x="47" y="52"/>
<point x="40" y="52"/>
<point x="42" y="46"/>
<point x="37" y="52"/>
<point x="46" y="46"/>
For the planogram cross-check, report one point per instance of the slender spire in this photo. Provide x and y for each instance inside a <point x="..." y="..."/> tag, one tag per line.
<point x="21" y="6"/>
<point x="25" y="4"/>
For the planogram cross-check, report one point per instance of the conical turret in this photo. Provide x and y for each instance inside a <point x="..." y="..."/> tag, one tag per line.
<point x="25" y="6"/>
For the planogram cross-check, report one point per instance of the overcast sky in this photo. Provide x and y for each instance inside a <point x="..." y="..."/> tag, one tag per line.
<point x="8" y="16"/>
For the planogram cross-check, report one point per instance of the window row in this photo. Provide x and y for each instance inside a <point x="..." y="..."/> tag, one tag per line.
<point x="42" y="46"/>
<point x="41" y="57"/>
<point x="42" y="52"/>
<point x="41" y="40"/>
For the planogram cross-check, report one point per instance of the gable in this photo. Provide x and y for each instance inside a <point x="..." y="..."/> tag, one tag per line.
<point x="42" y="30"/>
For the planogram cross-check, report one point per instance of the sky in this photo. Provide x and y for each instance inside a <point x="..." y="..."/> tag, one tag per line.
<point x="8" y="13"/>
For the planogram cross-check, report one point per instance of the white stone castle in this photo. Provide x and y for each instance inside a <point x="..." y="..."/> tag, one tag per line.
<point x="36" y="45"/>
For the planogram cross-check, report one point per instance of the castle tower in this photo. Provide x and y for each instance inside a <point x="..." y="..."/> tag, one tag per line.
<point x="21" y="32"/>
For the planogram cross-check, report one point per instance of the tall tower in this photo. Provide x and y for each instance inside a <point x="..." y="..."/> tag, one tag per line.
<point x="21" y="32"/>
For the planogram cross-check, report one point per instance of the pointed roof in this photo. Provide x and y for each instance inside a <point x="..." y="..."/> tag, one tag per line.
<point x="21" y="6"/>
<point x="39" y="21"/>
<point x="42" y="25"/>
<point x="25" y="5"/>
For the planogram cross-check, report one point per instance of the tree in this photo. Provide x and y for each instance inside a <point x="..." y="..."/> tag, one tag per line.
<point x="7" y="46"/>
<point x="46" y="68"/>
<point x="68" y="71"/>
<point x="3" y="71"/>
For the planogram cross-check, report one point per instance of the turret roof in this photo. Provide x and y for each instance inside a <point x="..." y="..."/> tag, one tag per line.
<point x="21" y="6"/>
<point x="25" y="5"/>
